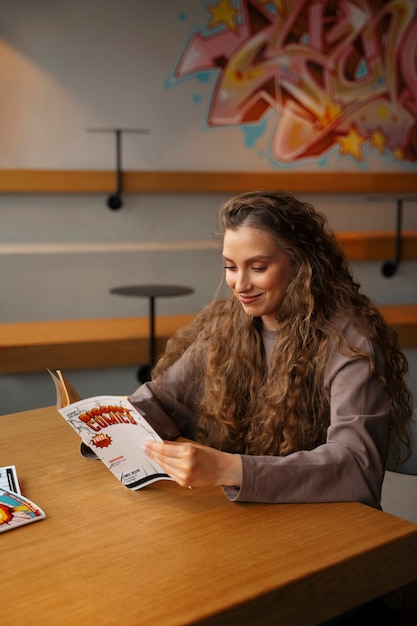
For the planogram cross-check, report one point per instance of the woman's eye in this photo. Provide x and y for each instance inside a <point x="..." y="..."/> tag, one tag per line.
<point x="259" y="269"/>
<point x="229" y="267"/>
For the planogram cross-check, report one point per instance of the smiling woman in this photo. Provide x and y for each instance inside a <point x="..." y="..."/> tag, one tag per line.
<point x="291" y="386"/>
<point x="289" y="389"/>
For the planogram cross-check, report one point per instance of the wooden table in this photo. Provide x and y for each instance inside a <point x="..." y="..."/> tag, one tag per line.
<point x="170" y="556"/>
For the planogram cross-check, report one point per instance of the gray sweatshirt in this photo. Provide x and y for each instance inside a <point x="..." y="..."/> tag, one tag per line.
<point x="349" y="466"/>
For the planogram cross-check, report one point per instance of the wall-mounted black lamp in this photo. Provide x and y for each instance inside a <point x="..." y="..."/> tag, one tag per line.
<point x="114" y="201"/>
<point x="390" y="267"/>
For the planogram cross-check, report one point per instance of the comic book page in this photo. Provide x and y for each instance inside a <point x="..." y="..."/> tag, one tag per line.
<point x="65" y="392"/>
<point x="16" y="510"/>
<point x="115" y="430"/>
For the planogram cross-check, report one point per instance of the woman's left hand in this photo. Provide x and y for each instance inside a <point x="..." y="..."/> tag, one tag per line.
<point x="193" y="465"/>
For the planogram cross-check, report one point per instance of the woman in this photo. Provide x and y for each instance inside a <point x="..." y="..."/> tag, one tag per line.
<point x="290" y="387"/>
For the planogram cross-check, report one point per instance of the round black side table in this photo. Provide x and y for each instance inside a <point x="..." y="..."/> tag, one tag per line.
<point x="151" y="292"/>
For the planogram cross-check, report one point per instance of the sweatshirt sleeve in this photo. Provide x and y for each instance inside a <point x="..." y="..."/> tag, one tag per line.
<point x="349" y="466"/>
<point x="170" y="412"/>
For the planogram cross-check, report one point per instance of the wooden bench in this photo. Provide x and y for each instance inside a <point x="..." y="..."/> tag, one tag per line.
<point x="115" y="342"/>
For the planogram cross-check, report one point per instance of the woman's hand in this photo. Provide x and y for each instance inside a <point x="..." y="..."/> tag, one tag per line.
<point x="193" y="465"/>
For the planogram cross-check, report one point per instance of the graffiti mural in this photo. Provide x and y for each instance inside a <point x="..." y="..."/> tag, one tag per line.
<point x="336" y="75"/>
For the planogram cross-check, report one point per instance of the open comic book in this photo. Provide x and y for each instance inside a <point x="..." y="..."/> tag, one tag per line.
<point x="113" y="430"/>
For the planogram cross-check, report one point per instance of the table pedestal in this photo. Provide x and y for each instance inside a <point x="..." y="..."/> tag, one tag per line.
<point x="151" y="292"/>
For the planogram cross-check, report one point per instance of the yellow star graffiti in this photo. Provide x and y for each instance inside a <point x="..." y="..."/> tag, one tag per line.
<point x="351" y="143"/>
<point x="398" y="154"/>
<point x="223" y="14"/>
<point x="378" y="140"/>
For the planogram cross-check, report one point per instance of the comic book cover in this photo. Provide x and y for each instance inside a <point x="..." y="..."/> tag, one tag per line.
<point x="112" y="428"/>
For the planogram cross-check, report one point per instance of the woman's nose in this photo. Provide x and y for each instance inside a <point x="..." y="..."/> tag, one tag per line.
<point x="242" y="282"/>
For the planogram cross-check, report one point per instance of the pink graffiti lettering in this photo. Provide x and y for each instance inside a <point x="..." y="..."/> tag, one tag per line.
<point x="336" y="73"/>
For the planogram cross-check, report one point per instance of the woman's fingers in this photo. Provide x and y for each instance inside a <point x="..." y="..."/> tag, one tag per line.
<point x="195" y="465"/>
<point x="171" y="457"/>
<point x="166" y="449"/>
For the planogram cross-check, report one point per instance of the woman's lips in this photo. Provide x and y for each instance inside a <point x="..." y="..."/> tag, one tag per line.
<point x="249" y="299"/>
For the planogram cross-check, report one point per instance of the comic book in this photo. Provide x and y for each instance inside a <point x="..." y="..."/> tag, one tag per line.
<point x="15" y="509"/>
<point x="111" y="429"/>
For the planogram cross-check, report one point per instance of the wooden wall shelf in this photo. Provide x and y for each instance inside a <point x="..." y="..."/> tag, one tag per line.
<point x="82" y="344"/>
<point x="377" y="245"/>
<point x="103" y="181"/>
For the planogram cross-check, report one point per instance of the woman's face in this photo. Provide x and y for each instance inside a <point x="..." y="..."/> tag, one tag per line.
<point x="257" y="271"/>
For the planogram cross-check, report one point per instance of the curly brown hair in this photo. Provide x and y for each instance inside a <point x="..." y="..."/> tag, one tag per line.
<point x="241" y="407"/>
